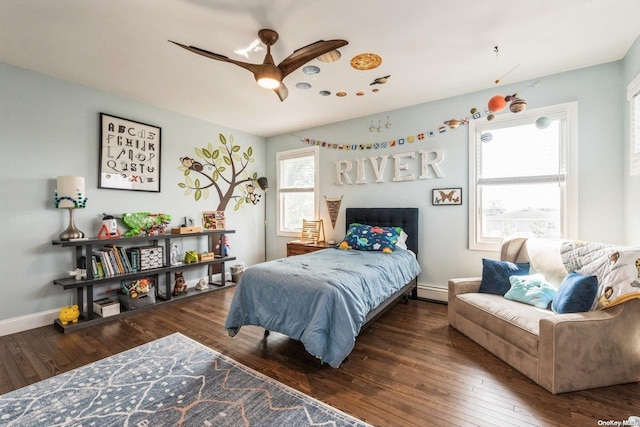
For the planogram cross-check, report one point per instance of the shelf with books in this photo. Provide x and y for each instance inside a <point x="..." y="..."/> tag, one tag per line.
<point x="72" y="283"/>
<point x="112" y="260"/>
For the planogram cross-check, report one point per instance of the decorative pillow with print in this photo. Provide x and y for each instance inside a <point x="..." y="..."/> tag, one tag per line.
<point x="531" y="289"/>
<point x="362" y="237"/>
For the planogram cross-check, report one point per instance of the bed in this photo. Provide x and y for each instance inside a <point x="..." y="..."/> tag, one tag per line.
<point x="326" y="298"/>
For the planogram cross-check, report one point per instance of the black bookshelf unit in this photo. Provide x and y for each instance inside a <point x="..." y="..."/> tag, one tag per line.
<point x="84" y="287"/>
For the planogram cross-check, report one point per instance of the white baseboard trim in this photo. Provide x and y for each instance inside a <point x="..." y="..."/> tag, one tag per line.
<point x="29" y="321"/>
<point x="44" y="318"/>
<point x="432" y="292"/>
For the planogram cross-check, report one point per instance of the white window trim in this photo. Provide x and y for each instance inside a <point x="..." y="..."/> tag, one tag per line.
<point x="298" y="152"/>
<point x="569" y="206"/>
<point x="633" y="95"/>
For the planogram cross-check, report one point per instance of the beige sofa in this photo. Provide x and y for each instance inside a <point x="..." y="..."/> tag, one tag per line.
<point x="560" y="352"/>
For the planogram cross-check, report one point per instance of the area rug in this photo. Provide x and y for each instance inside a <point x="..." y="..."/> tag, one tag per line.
<point x="171" y="381"/>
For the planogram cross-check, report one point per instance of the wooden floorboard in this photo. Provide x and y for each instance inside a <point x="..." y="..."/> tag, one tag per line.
<point x="408" y="369"/>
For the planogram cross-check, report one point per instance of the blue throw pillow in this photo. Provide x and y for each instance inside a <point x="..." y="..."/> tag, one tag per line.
<point x="495" y="275"/>
<point x="575" y="294"/>
<point x="532" y="290"/>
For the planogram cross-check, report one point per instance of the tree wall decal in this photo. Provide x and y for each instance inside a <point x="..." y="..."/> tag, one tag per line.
<point x="222" y="170"/>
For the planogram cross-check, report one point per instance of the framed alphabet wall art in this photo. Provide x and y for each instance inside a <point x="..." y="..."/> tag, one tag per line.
<point x="129" y="155"/>
<point x="446" y="196"/>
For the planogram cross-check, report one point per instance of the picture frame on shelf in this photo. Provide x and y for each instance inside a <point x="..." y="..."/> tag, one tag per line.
<point x="446" y="196"/>
<point x="213" y="220"/>
<point x="129" y="154"/>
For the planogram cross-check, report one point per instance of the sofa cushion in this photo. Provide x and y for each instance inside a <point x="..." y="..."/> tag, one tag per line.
<point x="532" y="289"/>
<point x="495" y="275"/>
<point x="514" y="322"/>
<point x="576" y="294"/>
<point x="544" y="257"/>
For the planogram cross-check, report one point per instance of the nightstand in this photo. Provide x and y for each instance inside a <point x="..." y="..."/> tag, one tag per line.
<point x="299" y="247"/>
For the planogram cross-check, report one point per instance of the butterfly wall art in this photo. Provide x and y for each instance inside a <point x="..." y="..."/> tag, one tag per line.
<point x="446" y="196"/>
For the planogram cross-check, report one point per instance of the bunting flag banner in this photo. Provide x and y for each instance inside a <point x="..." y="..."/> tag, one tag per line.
<point x="334" y="206"/>
<point x="430" y="133"/>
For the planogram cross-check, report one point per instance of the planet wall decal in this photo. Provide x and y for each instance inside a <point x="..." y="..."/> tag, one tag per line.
<point x="543" y="122"/>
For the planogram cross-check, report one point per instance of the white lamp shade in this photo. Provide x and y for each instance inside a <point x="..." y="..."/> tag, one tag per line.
<point x="70" y="192"/>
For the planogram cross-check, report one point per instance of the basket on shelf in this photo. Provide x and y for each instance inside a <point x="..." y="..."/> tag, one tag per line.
<point x="137" y="294"/>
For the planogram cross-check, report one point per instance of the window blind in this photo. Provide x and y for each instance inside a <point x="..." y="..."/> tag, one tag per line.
<point x="521" y="154"/>
<point x="297" y="173"/>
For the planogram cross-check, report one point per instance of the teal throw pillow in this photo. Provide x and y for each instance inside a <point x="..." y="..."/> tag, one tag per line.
<point x="532" y="290"/>
<point x="495" y="275"/>
<point x="575" y="294"/>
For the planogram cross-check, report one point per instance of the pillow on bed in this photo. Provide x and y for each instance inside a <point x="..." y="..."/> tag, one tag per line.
<point x="362" y="237"/>
<point x="402" y="240"/>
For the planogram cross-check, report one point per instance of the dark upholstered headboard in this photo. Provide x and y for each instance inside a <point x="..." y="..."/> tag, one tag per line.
<point x="407" y="218"/>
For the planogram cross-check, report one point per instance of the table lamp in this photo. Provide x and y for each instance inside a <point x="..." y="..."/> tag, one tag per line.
<point x="70" y="195"/>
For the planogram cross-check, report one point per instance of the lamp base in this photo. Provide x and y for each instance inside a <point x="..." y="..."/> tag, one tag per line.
<point x="71" y="232"/>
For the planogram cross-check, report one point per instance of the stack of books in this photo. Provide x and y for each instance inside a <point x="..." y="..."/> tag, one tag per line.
<point x="113" y="260"/>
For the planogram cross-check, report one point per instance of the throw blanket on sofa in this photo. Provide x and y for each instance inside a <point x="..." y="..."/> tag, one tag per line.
<point x="617" y="269"/>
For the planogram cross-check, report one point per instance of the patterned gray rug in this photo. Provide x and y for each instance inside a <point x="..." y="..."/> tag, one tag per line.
<point x="168" y="382"/>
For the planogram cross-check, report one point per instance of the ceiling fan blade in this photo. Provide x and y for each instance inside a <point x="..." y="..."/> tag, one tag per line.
<point x="254" y="68"/>
<point x="305" y="54"/>
<point x="282" y="91"/>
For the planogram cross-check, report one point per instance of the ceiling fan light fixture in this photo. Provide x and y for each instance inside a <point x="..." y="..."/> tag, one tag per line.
<point x="269" y="77"/>
<point x="267" y="74"/>
<point x="268" y="82"/>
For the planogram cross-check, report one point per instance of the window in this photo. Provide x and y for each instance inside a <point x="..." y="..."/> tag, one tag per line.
<point x="522" y="176"/>
<point x="297" y="184"/>
<point x="633" y="95"/>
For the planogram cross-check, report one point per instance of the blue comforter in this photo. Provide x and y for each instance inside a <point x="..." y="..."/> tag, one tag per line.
<point x="320" y="298"/>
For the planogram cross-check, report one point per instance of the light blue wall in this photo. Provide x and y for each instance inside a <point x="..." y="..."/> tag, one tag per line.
<point x="49" y="127"/>
<point x="444" y="234"/>
<point x="632" y="183"/>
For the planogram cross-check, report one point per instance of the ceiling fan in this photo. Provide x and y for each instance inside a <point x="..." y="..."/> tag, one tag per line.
<point x="267" y="74"/>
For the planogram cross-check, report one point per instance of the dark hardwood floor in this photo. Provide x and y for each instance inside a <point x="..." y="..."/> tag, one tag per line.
<point x="408" y="369"/>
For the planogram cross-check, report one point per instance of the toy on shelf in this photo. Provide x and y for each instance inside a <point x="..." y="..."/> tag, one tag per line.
<point x="79" y="273"/>
<point x="145" y="223"/>
<point x="202" y="285"/>
<point x="174" y="255"/>
<point x="190" y="256"/>
<point x="69" y="314"/>
<point x="138" y="288"/>
<point x="226" y="248"/>
<point x="180" y="287"/>
<point x="109" y="228"/>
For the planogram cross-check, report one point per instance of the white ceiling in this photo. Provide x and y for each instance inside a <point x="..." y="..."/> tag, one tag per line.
<point x="432" y="49"/>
